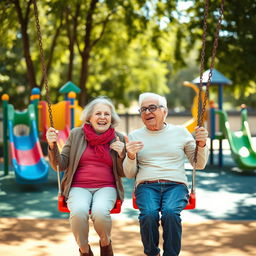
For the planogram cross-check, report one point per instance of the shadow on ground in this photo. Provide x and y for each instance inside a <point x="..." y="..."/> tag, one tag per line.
<point x="221" y="194"/>
<point x="33" y="200"/>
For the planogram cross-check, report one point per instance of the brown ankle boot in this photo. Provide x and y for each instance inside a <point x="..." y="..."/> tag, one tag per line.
<point x="90" y="253"/>
<point x="106" y="250"/>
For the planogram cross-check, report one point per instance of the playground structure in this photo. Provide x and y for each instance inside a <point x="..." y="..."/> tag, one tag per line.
<point x="25" y="129"/>
<point x="62" y="122"/>
<point x="241" y="145"/>
<point x="240" y="142"/>
<point x="27" y="158"/>
<point x="24" y="136"/>
<point x="192" y="123"/>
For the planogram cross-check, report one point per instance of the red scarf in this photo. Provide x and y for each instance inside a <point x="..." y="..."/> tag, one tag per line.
<point x="99" y="141"/>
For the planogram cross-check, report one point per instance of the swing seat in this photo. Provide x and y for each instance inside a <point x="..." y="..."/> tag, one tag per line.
<point x="191" y="202"/>
<point x="190" y="206"/>
<point x="62" y="205"/>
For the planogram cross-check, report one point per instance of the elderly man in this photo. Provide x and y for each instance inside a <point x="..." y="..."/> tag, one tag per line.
<point x="155" y="157"/>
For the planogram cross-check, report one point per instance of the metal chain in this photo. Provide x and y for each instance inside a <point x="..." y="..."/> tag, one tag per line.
<point x="45" y="79"/>
<point x="206" y="12"/>
<point x="214" y="51"/>
<point x="201" y="109"/>
<point x="39" y="35"/>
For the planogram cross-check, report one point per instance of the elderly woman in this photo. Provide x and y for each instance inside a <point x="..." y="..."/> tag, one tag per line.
<point x="92" y="160"/>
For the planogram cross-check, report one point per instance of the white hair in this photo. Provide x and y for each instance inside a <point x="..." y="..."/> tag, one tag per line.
<point x="87" y="112"/>
<point x="161" y="100"/>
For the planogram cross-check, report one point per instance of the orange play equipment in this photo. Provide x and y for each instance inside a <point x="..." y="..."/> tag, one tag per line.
<point x="78" y="112"/>
<point x="192" y="123"/>
<point x="61" y="117"/>
<point x="66" y="115"/>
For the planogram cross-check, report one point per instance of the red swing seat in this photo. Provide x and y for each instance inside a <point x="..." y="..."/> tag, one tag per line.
<point x="62" y="205"/>
<point x="190" y="206"/>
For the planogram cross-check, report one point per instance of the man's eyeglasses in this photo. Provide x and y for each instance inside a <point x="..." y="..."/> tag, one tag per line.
<point x="150" y="108"/>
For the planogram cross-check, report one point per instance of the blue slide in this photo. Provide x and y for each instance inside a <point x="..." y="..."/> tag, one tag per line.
<point x="27" y="158"/>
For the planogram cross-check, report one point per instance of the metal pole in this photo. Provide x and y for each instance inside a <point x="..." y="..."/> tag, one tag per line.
<point x="58" y="176"/>
<point x="5" y="99"/>
<point x="220" y="101"/>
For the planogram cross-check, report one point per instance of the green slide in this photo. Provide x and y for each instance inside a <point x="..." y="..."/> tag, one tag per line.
<point x="241" y="145"/>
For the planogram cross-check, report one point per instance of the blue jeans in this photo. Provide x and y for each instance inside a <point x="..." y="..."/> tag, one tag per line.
<point x="169" y="199"/>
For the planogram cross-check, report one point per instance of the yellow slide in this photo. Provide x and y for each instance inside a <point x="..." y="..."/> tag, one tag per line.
<point x="192" y="123"/>
<point x="78" y="112"/>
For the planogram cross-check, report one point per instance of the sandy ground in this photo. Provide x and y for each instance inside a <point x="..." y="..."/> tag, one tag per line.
<point x="48" y="237"/>
<point x="223" y="223"/>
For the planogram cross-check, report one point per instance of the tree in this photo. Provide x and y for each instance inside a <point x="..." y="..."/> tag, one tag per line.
<point x="19" y="33"/>
<point x="23" y="21"/>
<point x="236" y="53"/>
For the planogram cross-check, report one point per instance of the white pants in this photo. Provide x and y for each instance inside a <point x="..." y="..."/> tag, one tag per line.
<point x="100" y="201"/>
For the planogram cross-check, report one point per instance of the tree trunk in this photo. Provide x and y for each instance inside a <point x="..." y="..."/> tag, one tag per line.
<point x="72" y="39"/>
<point x="83" y="97"/>
<point x="30" y="67"/>
<point x="26" y="46"/>
<point x="71" y="60"/>
<point x="52" y="48"/>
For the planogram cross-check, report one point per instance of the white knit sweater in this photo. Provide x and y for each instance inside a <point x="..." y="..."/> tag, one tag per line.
<point x="163" y="155"/>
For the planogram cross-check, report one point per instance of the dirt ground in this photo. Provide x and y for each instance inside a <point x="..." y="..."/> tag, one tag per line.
<point x="49" y="237"/>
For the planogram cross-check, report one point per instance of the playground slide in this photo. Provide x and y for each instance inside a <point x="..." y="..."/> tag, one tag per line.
<point x="27" y="158"/>
<point x="61" y="119"/>
<point x="240" y="142"/>
<point x="78" y="112"/>
<point x="192" y="123"/>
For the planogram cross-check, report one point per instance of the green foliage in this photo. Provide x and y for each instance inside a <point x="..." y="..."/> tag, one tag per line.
<point x="144" y="46"/>
<point x="121" y="66"/>
<point x="122" y="69"/>
<point x="236" y="53"/>
<point x="181" y="97"/>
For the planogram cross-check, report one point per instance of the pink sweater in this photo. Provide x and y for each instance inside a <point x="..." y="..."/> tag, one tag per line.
<point x="93" y="172"/>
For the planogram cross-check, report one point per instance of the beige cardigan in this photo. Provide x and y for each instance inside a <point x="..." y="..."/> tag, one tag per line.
<point x="70" y="156"/>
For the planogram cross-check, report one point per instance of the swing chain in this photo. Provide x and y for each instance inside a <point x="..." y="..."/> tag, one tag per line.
<point x="214" y="51"/>
<point x="45" y="79"/>
<point x="201" y="109"/>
